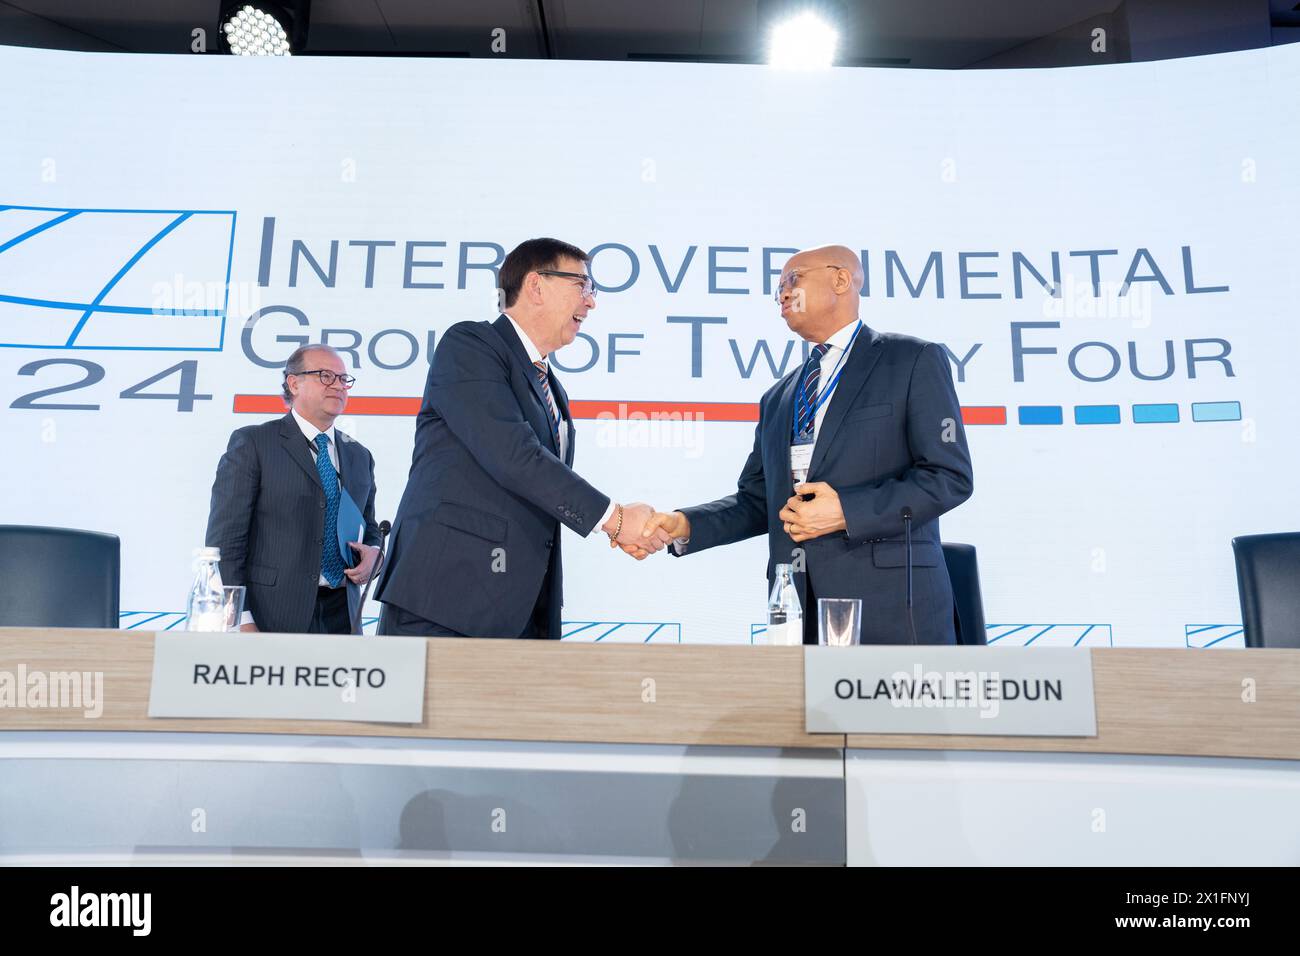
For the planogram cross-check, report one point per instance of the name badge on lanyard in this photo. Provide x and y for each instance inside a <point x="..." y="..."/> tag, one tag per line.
<point x="801" y="445"/>
<point x="801" y="460"/>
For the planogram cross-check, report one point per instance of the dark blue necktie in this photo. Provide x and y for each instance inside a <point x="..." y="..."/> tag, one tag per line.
<point x="805" y="412"/>
<point x="331" y="562"/>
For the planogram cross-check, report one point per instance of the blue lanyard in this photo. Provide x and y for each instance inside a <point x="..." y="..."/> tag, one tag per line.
<point x="826" y="393"/>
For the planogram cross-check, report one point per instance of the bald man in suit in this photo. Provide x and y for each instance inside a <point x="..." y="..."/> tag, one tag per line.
<point x="867" y="430"/>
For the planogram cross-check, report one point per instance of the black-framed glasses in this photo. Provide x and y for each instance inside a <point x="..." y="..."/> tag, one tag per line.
<point x="587" y="288"/>
<point x="327" y="377"/>
<point x="788" y="282"/>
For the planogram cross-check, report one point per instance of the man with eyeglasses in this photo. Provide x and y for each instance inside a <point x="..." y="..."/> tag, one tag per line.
<point x="867" y="430"/>
<point x="276" y="506"/>
<point x="475" y="550"/>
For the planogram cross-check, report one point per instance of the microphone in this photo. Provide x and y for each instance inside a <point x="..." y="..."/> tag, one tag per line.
<point x="384" y="528"/>
<point x="906" y="515"/>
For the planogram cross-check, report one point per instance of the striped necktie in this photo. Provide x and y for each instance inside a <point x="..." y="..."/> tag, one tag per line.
<point x="542" y="377"/>
<point x="806" y="415"/>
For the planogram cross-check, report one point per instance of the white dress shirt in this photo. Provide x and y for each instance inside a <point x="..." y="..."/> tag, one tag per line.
<point x="838" y="353"/>
<point x="840" y="343"/>
<point x="310" y="431"/>
<point x="535" y="355"/>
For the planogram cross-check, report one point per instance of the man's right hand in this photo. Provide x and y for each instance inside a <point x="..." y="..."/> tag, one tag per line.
<point x="667" y="527"/>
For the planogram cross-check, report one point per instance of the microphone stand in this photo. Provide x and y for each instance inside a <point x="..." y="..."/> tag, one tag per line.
<point x="907" y="544"/>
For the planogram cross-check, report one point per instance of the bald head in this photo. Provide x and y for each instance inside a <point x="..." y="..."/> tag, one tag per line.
<point x="841" y="257"/>
<point x="820" y="291"/>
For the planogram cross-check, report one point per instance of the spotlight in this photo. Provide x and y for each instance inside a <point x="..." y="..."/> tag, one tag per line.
<point x="803" y="42"/>
<point x="263" y="29"/>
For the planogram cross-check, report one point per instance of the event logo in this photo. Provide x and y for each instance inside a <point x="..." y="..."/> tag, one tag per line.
<point x="143" y="279"/>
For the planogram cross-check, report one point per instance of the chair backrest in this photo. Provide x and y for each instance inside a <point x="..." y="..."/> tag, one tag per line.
<point x="968" y="605"/>
<point x="1268" y="582"/>
<point x="58" y="577"/>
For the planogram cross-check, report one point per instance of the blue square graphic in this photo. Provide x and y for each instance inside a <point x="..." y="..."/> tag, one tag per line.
<point x="1040" y="415"/>
<point x="1216" y="411"/>
<point x="134" y="279"/>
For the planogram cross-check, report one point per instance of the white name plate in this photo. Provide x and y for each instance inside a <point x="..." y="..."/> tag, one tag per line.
<point x="1000" y="691"/>
<point x="288" y="676"/>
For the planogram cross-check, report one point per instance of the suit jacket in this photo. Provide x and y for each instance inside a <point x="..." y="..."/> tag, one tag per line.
<point x="477" y="534"/>
<point x="268" y="518"/>
<point x="892" y="437"/>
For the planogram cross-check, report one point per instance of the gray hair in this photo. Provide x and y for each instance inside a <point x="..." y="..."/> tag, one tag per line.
<point x="297" y="363"/>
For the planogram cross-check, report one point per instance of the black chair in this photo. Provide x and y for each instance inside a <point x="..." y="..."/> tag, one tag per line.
<point x="968" y="606"/>
<point x="1268" y="582"/>
<point x="58" y="577"/>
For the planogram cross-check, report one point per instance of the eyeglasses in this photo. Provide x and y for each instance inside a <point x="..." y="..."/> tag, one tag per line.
<point x="587" y="288"/>
<point x="327" y="377"/>
<point x="788" y="282"/>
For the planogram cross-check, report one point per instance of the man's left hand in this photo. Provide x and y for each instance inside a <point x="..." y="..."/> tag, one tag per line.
<point x="361" y="573"/>
<point x="820" y="515"/>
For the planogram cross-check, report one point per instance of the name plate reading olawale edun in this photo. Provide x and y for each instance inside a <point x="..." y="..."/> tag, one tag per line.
<point x="1003" y="691"/>
<point x="288" y="676"/>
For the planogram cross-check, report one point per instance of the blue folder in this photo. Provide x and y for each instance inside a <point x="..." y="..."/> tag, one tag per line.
<point x="351" y="527"/>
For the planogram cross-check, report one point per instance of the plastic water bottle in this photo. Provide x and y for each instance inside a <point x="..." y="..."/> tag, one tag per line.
<point x="784" y="612"/>
<point x="205" y="611"/>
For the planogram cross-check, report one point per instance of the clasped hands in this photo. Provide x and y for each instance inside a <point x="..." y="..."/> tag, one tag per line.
<point x="821" y="514"/>
<point x="646" y="531"/>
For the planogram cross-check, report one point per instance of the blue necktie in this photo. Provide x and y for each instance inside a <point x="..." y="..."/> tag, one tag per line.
<point x="805" y="414"/>
<point x="331" y="563"/>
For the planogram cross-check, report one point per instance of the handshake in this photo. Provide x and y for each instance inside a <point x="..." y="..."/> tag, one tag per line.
<point x="639" y="530"/>
<point x="814" y="510"/>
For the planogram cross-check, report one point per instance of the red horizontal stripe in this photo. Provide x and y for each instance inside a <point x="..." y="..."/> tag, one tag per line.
<point x="381" y="405"/>
<point x="984" y="414"/>
<point x="693" y="411"/>
<point x="360" y="405"/>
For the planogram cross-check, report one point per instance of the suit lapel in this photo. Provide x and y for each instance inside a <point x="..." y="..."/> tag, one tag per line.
<point x="507" y="331"/>
<point x="295" y="444"/>
<point x="785" y="412"/>
<point x="784" y="422"/>
<point x="347" y="463"/>
<point x="862" y="359"/>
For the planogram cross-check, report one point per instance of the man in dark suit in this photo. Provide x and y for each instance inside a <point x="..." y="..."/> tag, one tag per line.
<point x="476" y="545"/>
<point x="869" y="426"/>
<point x="275" y="501"/>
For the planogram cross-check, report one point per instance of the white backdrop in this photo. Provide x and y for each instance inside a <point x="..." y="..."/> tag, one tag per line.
<point x="1114" y="532"/>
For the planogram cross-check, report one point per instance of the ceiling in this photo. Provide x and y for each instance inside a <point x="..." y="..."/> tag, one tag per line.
<point x="935" y="34"/>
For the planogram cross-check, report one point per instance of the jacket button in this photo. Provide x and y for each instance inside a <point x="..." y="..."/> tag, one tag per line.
<point x="550" y="542"/>
<point x="321" y="504"/>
